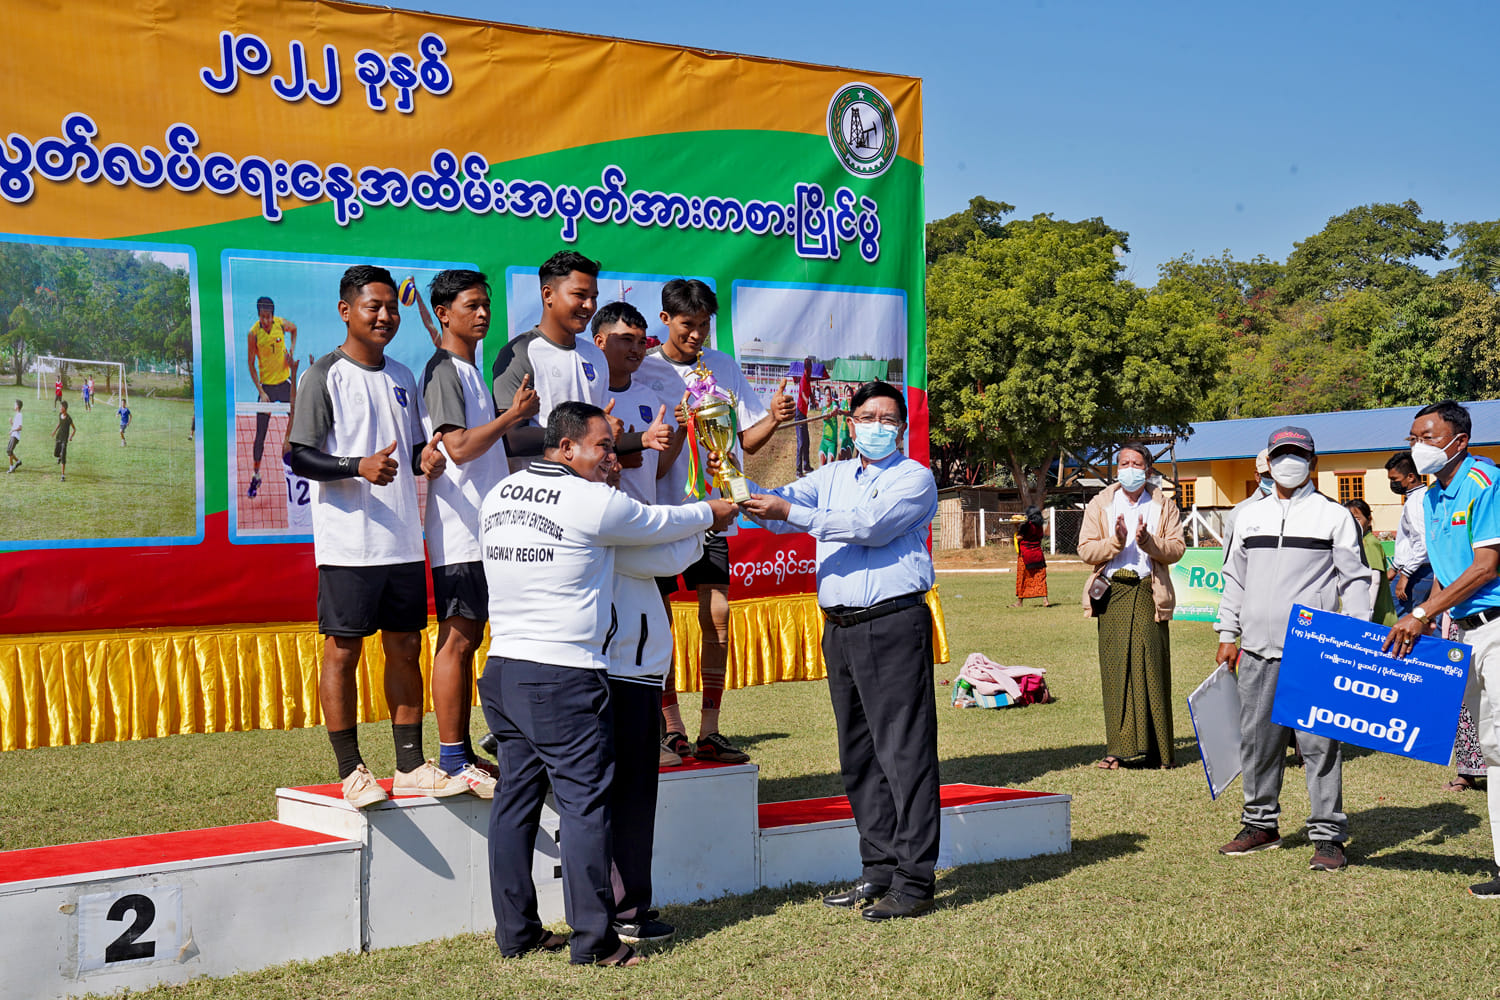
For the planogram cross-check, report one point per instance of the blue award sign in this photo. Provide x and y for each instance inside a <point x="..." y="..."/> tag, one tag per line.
<point x="1335" y="682"/>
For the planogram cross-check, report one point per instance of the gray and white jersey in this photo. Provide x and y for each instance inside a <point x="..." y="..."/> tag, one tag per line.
<point x="350" y="410"/>
<point x="558" y="374"/>
<point x="454" y="395"/>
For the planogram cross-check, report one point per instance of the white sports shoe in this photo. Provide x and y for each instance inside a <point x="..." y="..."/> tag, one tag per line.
<point x="361" y="789"/>
<point x="479" y="782"/>
<point x="429" y="779"/>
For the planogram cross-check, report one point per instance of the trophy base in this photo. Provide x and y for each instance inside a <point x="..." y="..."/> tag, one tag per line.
<point x="735" y="489"/>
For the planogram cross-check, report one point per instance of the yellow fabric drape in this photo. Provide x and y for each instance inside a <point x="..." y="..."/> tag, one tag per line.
<point x="66" y="688"/>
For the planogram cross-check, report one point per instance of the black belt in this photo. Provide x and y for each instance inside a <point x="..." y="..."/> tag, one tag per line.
<point x="1478" y="618"/>
<point x="845" y="616"/>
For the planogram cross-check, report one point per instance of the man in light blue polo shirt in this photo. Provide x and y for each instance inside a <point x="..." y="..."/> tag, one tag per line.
<point x="1462" y="520"/>
<point x="870" y="516"/>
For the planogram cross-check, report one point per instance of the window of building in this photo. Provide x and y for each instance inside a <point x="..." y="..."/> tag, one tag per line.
<point x="1351" y="486"/>
<point x="1187" y="494"/>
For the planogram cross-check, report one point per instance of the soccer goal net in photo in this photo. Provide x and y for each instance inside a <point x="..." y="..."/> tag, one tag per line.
<point x="74" y="374"/>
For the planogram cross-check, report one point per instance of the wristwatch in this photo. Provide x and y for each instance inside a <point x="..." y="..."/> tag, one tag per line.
<point x="1420" y="614"/>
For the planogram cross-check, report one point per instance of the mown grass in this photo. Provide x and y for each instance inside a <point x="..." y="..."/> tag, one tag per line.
<point x="1141" y="907"/>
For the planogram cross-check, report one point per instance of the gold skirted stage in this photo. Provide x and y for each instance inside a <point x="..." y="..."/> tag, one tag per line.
<point x="92" y="687"/>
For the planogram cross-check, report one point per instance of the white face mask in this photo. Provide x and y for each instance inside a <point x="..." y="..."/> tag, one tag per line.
<point x="1131" y="478"/>
<point x="1429" y="458"/>
<point x="1290" y="471"/>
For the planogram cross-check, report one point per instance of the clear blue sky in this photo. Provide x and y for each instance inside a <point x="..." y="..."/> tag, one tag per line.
<point x="1193" y="126"/>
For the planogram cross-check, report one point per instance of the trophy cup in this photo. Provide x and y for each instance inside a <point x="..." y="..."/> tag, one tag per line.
<point x="714" y="420"/>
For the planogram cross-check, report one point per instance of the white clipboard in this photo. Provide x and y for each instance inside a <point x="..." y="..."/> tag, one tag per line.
<point x="1215" y="710"/>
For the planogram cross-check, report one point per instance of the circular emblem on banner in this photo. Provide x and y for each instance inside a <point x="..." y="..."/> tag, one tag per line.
<point x="862" y="129"/>
<point x="1455" y="655"/>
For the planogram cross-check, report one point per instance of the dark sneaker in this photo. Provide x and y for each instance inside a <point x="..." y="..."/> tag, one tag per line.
<point x="1328" y="856"/>
<point x="644" y="927"/>
<point x="254" y="486"/>
<point x="1250" y="840"/>
<point x="677" y="743"/>
<point x="1486" y="890"/>
<point x="716" y="748"/>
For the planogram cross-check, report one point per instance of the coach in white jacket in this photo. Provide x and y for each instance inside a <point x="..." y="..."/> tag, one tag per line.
<point x="548" y="535"/>
<point x="1295" y="546"/>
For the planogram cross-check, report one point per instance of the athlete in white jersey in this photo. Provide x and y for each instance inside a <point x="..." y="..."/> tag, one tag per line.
<point x="358" y="436"/>
<point x="620" y="332"/>
<point x="457" y="404"/>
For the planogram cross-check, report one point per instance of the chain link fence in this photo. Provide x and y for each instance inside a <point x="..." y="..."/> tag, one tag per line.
<point x="972" y="529"/>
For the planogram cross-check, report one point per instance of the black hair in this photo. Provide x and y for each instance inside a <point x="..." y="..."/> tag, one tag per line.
<point x="264" y="300"/>
<point x="870" y="390"/>
<point x="619" y="312"/>
<point x="449" y="285"/>
<point x="1401" y="464"/>
<point x="360" y="275"/>
<point x="1450" y="412"/>
<point x="564" y="263"/>
<point x="568" y="420"/>
<point x="1034" y="515"/>
<point x="688" y="297"/>
<point x="1361" y="506"/>
<point x="1139" y="447"/>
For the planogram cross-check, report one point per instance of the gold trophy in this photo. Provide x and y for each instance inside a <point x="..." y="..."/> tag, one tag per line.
<point x="714" y="419"/>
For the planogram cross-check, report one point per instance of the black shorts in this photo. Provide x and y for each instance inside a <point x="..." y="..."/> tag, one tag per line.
<point x="459" y="589"/>
<point x="712" y="569"/>
<point x="60" y="451"/>
<point x="278" y="392"/>
<point x="356" y="601"/>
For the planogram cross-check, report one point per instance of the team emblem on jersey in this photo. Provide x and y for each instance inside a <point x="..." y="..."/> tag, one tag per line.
<point x="646" y="413"/>
<point x="588" y="370"/>
<point x="400" y="395"/>
<point x="862" y="129"/>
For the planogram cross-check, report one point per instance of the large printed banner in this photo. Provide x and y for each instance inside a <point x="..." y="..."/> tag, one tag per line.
<point x="1198" y="578"/>
<point x="188" y="182"/>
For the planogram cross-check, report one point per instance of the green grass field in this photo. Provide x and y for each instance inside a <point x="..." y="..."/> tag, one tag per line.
<point x="147" y="489"/>
<point x="1142" y="907"/>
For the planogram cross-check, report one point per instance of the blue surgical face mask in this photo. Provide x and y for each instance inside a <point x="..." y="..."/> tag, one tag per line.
<point x="875" y="440"/>
<point x="1132" y="479"/>
<point x="1266" y="485"/>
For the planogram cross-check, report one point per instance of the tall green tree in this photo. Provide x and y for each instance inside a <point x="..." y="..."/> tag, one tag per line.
<point x="1035" y="345"/>
<point x="952" y="233"/>
<point x="1477" y="251"/>
<point x="1372" y="246"/>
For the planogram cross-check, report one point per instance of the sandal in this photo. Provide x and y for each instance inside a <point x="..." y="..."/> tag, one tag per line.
<point x="1459" y="784"/>
<point x="550" y="942"/>
<point x="625" y="958"/>
<point x="1109" y="763"/>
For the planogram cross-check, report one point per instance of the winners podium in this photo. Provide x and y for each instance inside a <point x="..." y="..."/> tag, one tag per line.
<point x="326" y="878"/>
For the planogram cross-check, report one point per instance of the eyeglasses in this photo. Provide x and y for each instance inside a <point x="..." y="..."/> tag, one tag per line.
<point x="866" y="421"/>
<point x="1429" y="439"/>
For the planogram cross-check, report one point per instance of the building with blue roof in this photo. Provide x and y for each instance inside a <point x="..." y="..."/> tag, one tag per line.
<point x="1216" y="462"/>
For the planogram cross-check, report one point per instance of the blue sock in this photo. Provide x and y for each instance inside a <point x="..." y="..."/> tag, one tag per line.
<point x="451" y="757"/>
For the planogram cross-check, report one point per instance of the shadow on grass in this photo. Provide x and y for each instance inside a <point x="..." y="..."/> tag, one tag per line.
<point x="1389" y="837"/>
<point x="749" y="740"/>
<point x="955" y="887"/>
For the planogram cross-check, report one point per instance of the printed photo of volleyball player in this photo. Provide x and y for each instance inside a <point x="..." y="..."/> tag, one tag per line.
<point x="821" y="342"/>
<point x="280" y="315"/>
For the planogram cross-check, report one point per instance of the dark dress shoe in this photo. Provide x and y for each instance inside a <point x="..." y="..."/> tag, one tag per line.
<point x="863" y="892"/>
<point x="895" y="905"/>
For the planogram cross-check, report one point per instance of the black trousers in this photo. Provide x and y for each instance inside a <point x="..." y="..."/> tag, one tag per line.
<point x="632" y="795"/>
<point x="880" y="680"/>
<point x="554" y="725"/>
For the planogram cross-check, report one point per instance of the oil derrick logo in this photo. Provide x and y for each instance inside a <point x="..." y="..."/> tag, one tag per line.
<point x="862" y="129"/>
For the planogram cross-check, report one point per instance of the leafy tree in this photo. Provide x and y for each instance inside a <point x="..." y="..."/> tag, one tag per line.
<point x="1478" y="252"/>
<point x="1372" y="246"/>
<point x="1035" y="345"/>
<point x="952" y="233"/>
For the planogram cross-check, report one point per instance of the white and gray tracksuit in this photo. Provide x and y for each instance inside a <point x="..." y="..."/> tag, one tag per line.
<point x="1305" y="550"/>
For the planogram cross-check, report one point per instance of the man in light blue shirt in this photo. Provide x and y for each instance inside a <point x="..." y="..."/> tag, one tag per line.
<point x="1462" y="526"/>
<point x="870" y="516"/>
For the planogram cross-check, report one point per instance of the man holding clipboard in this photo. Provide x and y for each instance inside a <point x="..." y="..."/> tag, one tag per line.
<point x="1462" y="525"/>
<point x="1294" y="546"/>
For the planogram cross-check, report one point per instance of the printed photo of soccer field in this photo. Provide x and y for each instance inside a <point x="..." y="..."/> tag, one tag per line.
<point x="110" y="330"/>
<point x="280" y="316"/>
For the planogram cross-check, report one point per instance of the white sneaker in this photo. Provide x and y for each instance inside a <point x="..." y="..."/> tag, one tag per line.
<point x="480" y="783"/>
<point x="667" y="759"/>
<point x="429" y="779"/>
<point x="361" y="789"/>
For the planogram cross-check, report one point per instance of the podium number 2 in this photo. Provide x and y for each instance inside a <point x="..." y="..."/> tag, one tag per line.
<point x="128" y="946"/>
